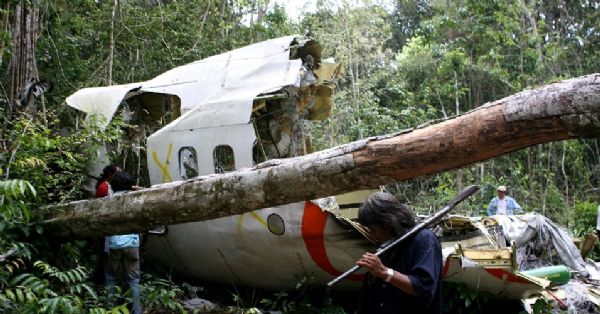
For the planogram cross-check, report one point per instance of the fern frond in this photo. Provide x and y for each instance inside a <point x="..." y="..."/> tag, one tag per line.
<point x="23" y="279"/>
<point x="31" y="283"/>
<point x="44" y="267"/>
<point x="52" y="304"/>
<point x="6" y="270"/>
<point x="20" y="295"/>
<point x="30" y="162"/>
<point x="16" y="188"/>
<point x="10" y="295"/>
<point x="14" y="256"/>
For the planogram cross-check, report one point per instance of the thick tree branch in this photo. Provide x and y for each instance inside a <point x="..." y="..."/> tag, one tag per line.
<point x="565" y="110"/>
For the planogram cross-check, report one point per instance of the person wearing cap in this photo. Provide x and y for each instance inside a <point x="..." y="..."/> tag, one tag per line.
<point x="503" y="204"/>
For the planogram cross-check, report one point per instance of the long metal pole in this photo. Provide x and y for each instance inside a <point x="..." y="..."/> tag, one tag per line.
<point x="432" y="220"/>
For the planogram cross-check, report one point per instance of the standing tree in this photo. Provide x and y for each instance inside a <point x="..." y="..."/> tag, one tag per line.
<point x="22" y="67"/>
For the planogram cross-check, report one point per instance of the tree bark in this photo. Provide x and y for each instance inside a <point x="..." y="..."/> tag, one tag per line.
<point x="565" y="176"/>
<point x="22" y="65"/>
<point x="533" y="23"/>
<point x="459" y="172"/>
<point x="111" y="43"/>
<point x="565" y="110"/>
<point x="4" y="25"/>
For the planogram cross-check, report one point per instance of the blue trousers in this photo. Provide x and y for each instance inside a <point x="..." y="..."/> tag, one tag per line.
<point x="124" y="264"/>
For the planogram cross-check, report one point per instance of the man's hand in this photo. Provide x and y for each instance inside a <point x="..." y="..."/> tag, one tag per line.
<point x="373" y="265"/>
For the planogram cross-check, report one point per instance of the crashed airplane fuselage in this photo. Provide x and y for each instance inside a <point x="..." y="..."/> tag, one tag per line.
<point x="224" y="113"/>
<point x="236" y="110"/>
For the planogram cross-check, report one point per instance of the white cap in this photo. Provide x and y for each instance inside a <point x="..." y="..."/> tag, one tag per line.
<point x="502" y="188"/>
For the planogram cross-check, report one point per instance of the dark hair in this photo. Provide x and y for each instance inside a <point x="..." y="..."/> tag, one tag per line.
<point x="107" y="172"/>
<point x="384" y="210"/>
<point x="121" y="181"/>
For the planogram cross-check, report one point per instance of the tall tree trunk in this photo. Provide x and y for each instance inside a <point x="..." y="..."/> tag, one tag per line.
<point x="23" y="67"/>
<point x="547" y="176"/>
<point x="222" y="13"/>
<point x="111" y="44"/>
<point x="570" y="109"/>
<point x="162" y="34"/>
<point x="530" y="174"/>
<point x="565" y="176"/>
<point x="441" y="103"/>
<point x="261" y="11"/>
<point x="6" y="13"/>
<point x="456" y="102"/>
<point x="459" y="172"/>
<point x="529" y="6"/>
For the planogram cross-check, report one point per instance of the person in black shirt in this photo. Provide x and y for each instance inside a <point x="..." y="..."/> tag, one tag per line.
<point x="407" y="279"/>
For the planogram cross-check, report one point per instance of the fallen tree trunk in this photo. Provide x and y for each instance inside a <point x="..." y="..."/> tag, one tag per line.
<point x="565" y="110"/>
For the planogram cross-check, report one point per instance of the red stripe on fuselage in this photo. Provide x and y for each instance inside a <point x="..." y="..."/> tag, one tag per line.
<point x="313" y="228"/>
<point x="446" y="267"/>
<point x="504" y="275"/>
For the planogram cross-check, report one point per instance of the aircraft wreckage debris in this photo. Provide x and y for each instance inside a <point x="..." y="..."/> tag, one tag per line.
<point x="427" y="223"/>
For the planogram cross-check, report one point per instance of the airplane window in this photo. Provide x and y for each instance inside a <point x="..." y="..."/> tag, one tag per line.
<point x="275" y="224"/>
<point x="188" y="162"/>
<point x="223" y="158"/>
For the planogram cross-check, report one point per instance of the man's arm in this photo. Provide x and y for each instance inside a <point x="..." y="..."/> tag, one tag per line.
<point x="426" y="271"/>
<point x="517" y="208"/>
<point x="491" y="211"/>
<point x="402" y="282"/>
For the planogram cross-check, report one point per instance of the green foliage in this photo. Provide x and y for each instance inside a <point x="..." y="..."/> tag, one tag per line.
<point x="14" y="215"/>
<point x="542" y="306"/>
<point x="48" y="290"/>
<point x="458" y="57"/>
<point x="583" y="221"/>
<point x="55" y="168"/>
<point x="299" y="300"/>
<point x="42" y="288"/>
<point x="584" y="217"/>
<point x="52" y="163"/>
<point x="16" y="188"/>
<point x="13" y="209"/>
<point x="161" y="296"/>
<point x="461" y="300"/>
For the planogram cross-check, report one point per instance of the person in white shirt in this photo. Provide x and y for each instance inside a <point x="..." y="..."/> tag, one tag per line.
<point x="503" y="204"/>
